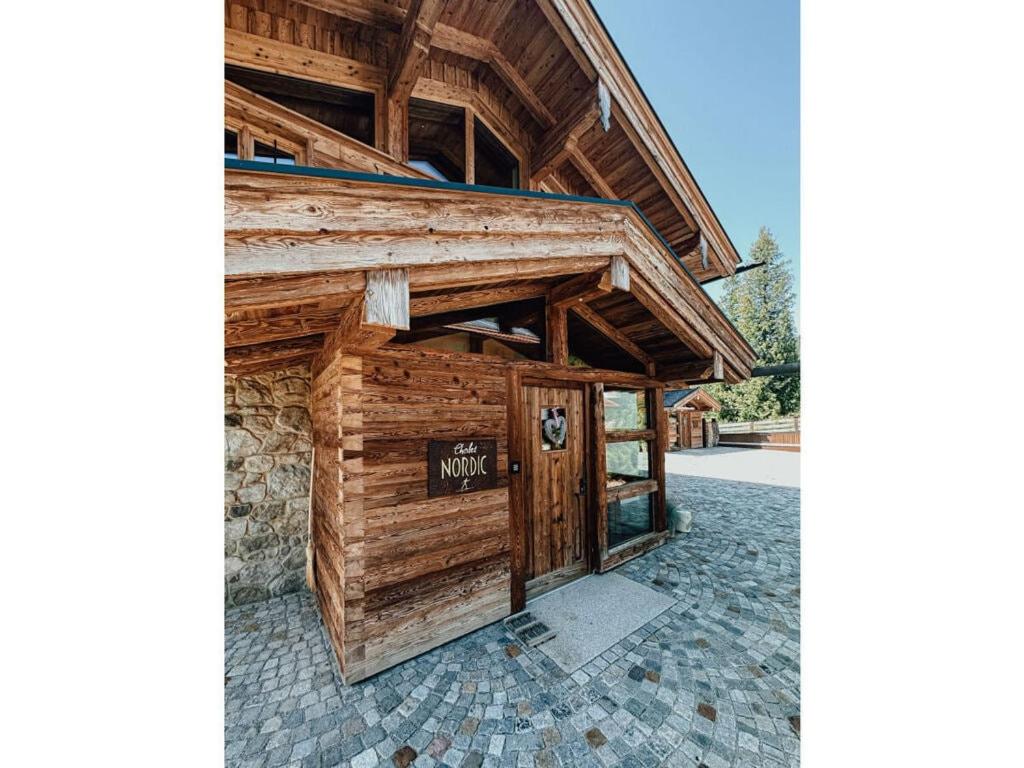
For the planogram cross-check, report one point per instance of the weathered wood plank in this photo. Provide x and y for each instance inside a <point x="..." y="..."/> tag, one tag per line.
<point x="387" y="298"/>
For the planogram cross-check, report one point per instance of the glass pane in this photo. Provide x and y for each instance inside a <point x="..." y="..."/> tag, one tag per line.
<point x="627" y="462"/>
<point x="494" y="165"/>
<point x="437" y="136"/>
<point x="230" y="145"/>
<point x="629" y="518"/>
<point x="625" y="409"/>
<point x="264" y="153"/>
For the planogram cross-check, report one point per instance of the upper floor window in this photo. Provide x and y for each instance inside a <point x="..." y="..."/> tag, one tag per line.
<point x="230" y="145"/>
<point x="346" y="111"/>
<point x="437" y="139"/>
<point x="266" y="153"/>
<point x="493" y="164"/>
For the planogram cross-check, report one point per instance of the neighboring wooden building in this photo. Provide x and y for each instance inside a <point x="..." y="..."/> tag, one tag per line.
<point x="685" y="409"/>
<point x="435" y="204"/>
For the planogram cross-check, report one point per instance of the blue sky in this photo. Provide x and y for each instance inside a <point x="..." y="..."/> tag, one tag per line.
<point x="724" y="77"/>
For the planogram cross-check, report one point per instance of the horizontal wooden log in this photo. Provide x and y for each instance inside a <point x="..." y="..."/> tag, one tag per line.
<point x="258" y="358"/>
<point x="288" y="224"/>
<point x="269" y="55"/>
<point x="485" y="297"/>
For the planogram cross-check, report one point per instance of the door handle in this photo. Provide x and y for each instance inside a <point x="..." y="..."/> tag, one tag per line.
<point x="582" y="487"/>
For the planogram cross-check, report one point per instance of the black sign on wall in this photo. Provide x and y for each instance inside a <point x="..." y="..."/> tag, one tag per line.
<point x="461" y="466"/>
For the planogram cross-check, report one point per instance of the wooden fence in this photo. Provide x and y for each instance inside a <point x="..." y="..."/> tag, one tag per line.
<point x="777" y="434"/>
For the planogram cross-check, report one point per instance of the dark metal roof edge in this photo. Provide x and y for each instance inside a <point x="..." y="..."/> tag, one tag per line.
<point x="335" y="173"/>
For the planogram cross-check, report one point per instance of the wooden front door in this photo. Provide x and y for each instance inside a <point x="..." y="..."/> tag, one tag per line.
<point x="554" y="487"/>
<point x="696" y="430"/>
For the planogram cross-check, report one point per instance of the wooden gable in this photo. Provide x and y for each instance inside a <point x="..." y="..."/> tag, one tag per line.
<point x="527" y="69"/>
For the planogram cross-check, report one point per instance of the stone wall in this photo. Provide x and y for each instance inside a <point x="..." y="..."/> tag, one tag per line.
<point x="267" y="450"/>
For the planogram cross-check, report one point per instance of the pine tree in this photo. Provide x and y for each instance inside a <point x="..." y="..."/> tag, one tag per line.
<point x="760" y="303"/>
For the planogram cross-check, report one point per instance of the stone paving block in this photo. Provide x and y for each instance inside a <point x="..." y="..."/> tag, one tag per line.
<point x="284" y="706"/>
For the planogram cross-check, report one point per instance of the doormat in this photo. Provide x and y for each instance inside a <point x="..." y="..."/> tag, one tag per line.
<point x="592" y="614"/>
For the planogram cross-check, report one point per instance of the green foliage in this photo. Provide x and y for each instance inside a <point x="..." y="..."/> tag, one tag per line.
<point x="760" y="303"/>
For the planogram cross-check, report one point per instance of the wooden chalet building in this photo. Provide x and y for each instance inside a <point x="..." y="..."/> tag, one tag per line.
<point x="684" y="411"/>
<point x="463" y="220"/>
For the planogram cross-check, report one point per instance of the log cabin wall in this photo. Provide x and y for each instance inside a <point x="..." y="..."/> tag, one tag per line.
<point x="410" y="572"/>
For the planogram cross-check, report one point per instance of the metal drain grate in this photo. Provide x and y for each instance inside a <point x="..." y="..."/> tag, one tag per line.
<point x="528" y="629"/>
<point x="520" y="620"/>
<point x="535" y="634"/>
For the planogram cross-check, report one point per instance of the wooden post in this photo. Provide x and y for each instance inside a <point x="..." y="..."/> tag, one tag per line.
<point x="599" y="497"/>
<point x="470" y="147"/>
<point x="387" y="298"/>
<point x="516" y="508"/>
<point x="396" y="129"/>
<point x="658" y="460"/>
<point x="557" y="335"/>
<point x="620" y="273"/>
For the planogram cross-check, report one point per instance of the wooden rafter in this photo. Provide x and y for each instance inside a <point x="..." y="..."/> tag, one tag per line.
<point x="447" y="38"/>
<point x="616" y="336"/>
<point x="591" y="174"/>
<point x="580" y="289"/>
<point x="560" y="141"/>
<point x="583" y="34"/>
<point x="271" y="356"/>
<point x="451" y="302"/>
<point x="697" y="371"/>
<point x="413" y="47"/>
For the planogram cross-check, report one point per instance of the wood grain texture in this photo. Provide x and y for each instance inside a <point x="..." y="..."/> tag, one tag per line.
<point x="555" y="523"/>
<point x="418" y="571"/>
<point x="387" y="298"/>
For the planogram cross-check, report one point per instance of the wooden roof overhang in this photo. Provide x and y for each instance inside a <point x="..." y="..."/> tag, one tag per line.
<point x="698" y="400"/>
<point x="530" y="69"/>
<point x="300" y="243"/>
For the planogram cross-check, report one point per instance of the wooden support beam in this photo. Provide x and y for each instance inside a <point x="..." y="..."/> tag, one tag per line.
<point x="559" y="142"/>
<point x="351" y="335"/>
<point x="373" y="13"/>
<point x="386" y="303"/>
<point x="269" y="55"/>
<point x="668" y="316"/>
<point x="591" y="174"/>
<point x="698" y="371"/>
<point x="613" y="334"/>
<point x="580" y="289"/>
<point x="272" y="356"/>
<point x="619" y="270"/>
<point x="413" y="47"/>
<point x="454" y="40"/>
<point x="453" y="302"/>
<point x="556" y="335"/>
<point x="470" y="143"/>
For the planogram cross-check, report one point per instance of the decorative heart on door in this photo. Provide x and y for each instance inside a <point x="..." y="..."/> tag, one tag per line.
<point x="555" y="429"/>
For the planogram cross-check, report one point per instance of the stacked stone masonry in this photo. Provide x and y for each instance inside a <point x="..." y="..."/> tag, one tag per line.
<point x="267" y="453"/>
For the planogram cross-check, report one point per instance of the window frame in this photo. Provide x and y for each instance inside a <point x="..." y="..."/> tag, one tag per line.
<point x="248" y="136"/>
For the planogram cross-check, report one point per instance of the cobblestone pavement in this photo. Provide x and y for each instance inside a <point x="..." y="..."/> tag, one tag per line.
<point x="712" y="681"/>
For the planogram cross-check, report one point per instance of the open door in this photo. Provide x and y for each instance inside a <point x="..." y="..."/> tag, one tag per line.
<point x="629" y="435"/>
<point x="554" y="486"/>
